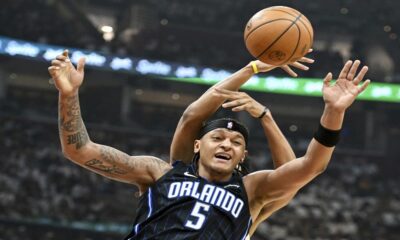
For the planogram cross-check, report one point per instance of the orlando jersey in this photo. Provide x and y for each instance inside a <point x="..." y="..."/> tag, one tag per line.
<point x="182" y="205"/>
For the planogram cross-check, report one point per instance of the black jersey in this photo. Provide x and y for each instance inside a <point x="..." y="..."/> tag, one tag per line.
<point x="182" y="205"/>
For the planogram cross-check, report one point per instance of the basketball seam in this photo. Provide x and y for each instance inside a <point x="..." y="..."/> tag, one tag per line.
<point x="287" y="29"/>
<point x="297" y="44"/>
<point x="264" y="24"/>
<point x="305" y="25"/>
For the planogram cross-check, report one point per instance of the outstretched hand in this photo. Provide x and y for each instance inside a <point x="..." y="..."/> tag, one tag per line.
<point x="66" y="78"/>
<point x="344" y="91"/>
<point x="264" y="67"/>
<point x="240" y="101"/>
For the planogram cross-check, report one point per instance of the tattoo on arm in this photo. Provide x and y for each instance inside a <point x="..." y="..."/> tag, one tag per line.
<point x="71" y="121"/>
<point x="78" y="138"/>
<point x="101" y="166"/>
<point x="115" y="157"/>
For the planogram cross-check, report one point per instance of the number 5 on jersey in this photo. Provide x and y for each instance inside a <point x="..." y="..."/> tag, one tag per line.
<point x="198" y="216"/>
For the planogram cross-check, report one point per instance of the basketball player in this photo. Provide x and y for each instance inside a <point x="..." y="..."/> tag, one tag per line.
<point x="199" y="111"/>
<point x="202" y="109"/>
<point x="209" y="200"/>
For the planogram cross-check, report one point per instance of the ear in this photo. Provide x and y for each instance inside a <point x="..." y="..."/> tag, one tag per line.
<point x="245" y="154"/>
<point x="196" y="146"/>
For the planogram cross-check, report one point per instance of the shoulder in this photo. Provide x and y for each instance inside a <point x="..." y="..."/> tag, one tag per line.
<point x="153" y="166"/>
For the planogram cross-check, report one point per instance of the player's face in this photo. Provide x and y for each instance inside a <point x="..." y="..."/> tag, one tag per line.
<point x="220" y="151"/>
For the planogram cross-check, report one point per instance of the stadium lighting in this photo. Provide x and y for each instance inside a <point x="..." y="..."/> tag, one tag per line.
<point x="107" y="29"/>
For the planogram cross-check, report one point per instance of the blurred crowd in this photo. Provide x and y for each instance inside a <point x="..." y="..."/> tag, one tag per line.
<point x="353" y="199"/>
<point x="198" y="41"/>
<point x="42" y="194"/>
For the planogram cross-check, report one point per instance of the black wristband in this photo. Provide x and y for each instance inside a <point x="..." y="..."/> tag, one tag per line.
<point x="327" y="137"/>
<point x="263" y="113"/>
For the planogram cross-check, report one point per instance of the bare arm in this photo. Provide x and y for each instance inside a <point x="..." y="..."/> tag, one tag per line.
<point x="200" y="110"/>
<point x="104" y="160"/>
<point x="268" y="210"/>
<point x="281" y="150"/>
<point x="290" y="177"/>
<point x="75" y="141"/>
<point x="196" y="113"/>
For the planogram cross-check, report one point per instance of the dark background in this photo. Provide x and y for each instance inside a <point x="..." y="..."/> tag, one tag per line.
<point x="44" y="196"/>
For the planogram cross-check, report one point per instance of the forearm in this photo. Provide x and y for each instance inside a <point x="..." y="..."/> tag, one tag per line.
<point x="318" y="155"/>
<point x="198" y="112"/>
<point x="104" y="160"/>
<point x="281" y="151"/>
<point x="73" y="133"/>
<point x="208" y="104"/>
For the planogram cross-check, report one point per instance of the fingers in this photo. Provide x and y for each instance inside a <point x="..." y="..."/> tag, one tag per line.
<point x="235" y="103"/>
<point x="239" y="108"/>
<point x="363" y="86"/>
<point x="287" y="69"/>
<point x="61" y="59"/>
<point x="81" y="65"/>
<point x="345" y="69"/>
<point x="353" y="70"/>
<point x="53" y="68"/>
<point x="226" y="91"/>
<point x="306" y="60"/>
<point x="360" y="75"/>
<point x="57" y="63"/>
<point x="299" y="66"/>
<point x="228" y="94"/>
<point x="53" y="71"/>
<point x="237" y="98"/>
<point x="65" y="53"/>
<point x="327" y="80"/>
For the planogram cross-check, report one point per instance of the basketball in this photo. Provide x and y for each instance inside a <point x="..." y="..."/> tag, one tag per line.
<point x="278" y="35"/>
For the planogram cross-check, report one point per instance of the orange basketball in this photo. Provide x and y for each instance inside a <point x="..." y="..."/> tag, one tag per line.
<point x="278" y="35"/>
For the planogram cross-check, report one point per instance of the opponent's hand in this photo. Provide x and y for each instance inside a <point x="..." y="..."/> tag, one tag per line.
<point x="343" y="92"/>
<point x="66" y="78"/>
<point x="240" y="101"/>
<point x="264" y="67"/>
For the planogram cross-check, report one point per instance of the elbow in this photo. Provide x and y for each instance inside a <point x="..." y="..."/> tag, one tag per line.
<point x="68" y="155"/>
<point x="189" y="114"/>
<point x="322" y="169"/>
<point x="316" y="166"/>
<point x="72" y="153"/>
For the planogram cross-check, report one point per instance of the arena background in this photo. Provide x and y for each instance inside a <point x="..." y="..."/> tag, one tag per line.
<point x="131" y="100"/>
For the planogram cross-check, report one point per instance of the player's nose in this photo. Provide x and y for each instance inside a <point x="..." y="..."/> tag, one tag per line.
<point x="226" y="144"/>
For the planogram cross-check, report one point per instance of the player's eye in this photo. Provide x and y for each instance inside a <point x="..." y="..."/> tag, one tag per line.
<point x="217" y="138"/>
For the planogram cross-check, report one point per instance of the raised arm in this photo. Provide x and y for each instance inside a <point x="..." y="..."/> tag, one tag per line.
<point x="200" y="110"/>
<point x="76" y="144"/>
<point x="289" y="178"/>
<point x="281" y="151"/>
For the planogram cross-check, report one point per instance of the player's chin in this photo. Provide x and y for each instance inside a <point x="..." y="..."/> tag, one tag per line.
<point x="223" y="167"/>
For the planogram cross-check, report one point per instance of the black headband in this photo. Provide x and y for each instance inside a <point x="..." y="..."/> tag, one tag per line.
<point x="227" y="123"/>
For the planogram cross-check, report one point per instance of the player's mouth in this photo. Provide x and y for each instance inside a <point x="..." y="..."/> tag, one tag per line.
<point x="223" y="156"/>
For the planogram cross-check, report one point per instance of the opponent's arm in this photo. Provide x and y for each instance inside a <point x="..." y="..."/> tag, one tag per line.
<point x="281" y="151"/>
<point x="200" y="110"/>
<point x="289" y="178"/>
<point x="75" y="141"/>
